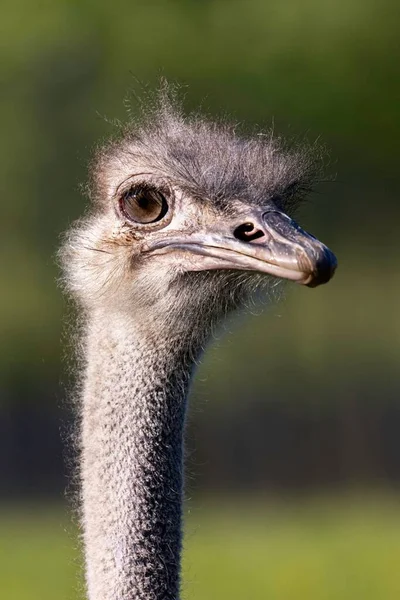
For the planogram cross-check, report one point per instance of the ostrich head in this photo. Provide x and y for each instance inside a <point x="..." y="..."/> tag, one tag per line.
<point x="189" y="219"/>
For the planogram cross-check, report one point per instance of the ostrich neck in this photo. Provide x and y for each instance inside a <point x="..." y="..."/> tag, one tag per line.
<point x="133" y="412"/>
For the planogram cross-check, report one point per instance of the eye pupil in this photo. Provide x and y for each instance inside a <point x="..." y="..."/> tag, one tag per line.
<point x="143" y="205"/>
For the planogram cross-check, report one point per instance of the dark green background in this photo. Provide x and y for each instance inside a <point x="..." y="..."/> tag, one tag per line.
<point x="306" y="393"/>
<point x="293" y="454"/>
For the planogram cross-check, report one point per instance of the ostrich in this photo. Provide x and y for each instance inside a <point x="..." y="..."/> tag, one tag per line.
<point x="189" y="220"/>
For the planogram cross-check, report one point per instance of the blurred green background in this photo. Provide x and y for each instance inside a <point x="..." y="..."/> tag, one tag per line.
<point x="293" y="446"/>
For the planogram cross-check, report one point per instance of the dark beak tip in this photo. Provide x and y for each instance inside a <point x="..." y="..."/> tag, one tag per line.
<point x="325" y="269"/>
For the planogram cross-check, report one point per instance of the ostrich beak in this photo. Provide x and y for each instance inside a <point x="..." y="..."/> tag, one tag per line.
<point x="271" y="243"/>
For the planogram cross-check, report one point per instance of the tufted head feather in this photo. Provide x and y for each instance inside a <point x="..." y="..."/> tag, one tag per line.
<point x="189" y="217"/>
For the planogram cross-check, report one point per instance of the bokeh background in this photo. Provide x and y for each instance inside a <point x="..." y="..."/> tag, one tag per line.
<point x="293" y="440"/>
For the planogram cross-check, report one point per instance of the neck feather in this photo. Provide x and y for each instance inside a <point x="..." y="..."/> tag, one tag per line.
<point x="133" y="413"/>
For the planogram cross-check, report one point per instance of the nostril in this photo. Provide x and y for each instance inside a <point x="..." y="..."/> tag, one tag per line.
<point x="247" y="232"/>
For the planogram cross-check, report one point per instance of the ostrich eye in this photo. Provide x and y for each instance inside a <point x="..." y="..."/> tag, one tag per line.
<point x="143" y="205"/>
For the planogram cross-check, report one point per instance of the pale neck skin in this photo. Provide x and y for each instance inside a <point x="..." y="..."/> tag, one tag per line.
<point x="133" y="413"/>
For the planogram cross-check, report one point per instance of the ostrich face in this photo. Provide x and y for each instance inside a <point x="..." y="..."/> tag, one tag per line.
<point x="185" y="233"/>
<point x="191" y="215"/>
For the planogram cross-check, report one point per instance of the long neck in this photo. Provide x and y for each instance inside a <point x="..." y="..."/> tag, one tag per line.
<point x="133" y="412"/>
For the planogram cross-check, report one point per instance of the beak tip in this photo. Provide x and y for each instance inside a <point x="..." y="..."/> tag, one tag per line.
<point x="324" y="270"/>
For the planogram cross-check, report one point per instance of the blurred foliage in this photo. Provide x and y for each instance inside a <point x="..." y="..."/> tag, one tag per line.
<point x="69" y="68"/>
<point x="330" y="69"/>
<point x="326" y="68"/>
<point x="342" y="547"/>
